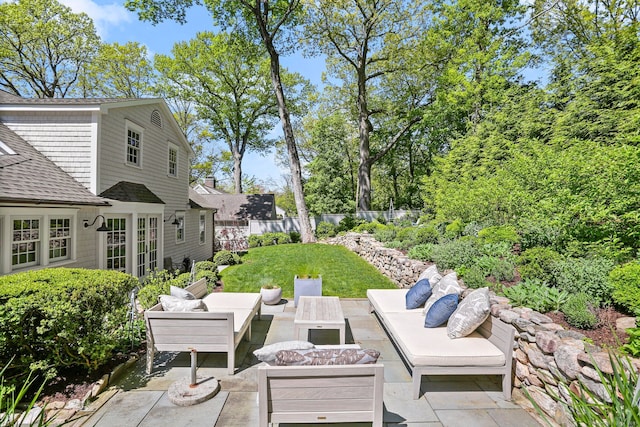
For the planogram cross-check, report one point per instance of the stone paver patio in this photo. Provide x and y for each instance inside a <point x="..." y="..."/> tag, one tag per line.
<point x="141" y="400"/>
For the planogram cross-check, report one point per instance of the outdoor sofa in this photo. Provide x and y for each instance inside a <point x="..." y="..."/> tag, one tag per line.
<point x="430" y="351"/>
<point x="219" y="329"/>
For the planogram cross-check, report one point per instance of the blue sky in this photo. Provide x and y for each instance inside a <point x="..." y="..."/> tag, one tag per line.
<point x="116" y="24"/>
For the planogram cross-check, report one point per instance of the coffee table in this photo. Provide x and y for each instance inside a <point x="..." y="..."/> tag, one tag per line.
<point x="318" y="313"/>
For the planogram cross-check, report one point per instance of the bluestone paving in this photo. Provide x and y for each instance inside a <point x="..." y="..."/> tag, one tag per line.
<point x="141" y="400"/>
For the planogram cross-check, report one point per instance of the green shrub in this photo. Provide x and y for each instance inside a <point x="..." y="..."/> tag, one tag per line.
<point x="295" y="237"/>
<point x="386" y="234"/>
<point x="499" y="268"/>
<point x="588" y="275"/>
<point x="472" y="229"/>
<point x="474" y="277"/>
<point x="205" y="265"/>
<point x="421" y="252"/>
<point x="539" y="232"/>
<point x="499" y="250"/>
<point x="225" y="257"/>
<point x="499" y="233"/>
<point x="255" y="240"/>
<point x="579" y="311"/>
<point x="159" y="283"/>
<point x="211" y="276"/>
<point x="625" y="282"/>
<point x="537" y="295"/>
<point x="454" y="229"/>
<point x="368" y="227"/>
<point x="325" y="229"/>
<point x="425" y="234"/>
<point x="456" y="253"/>
<point x="348" y="223"/>
<point x="61" y="317"/>
<point x="632" y="347"/>
<point x="538" y="263"/>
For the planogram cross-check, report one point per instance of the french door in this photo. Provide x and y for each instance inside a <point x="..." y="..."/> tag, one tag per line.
<point x="147" y="244"/>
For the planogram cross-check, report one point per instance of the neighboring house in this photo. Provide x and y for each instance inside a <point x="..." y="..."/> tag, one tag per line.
<point x="233" y="212"/>
<point x="68" y="165"/>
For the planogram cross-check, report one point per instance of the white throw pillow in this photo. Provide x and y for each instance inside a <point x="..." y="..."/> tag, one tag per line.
<point x="471" y="313"/>
<point x="181" y="293"/>
<point x="171" y="303"/>
<point x="268" y="352"/>
<point x="432" y="275"/>
<point x="446" y="286"/>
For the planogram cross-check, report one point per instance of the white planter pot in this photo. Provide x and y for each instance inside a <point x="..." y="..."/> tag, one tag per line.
<point x="271" y="296"/>
<point x="307" y="288"/>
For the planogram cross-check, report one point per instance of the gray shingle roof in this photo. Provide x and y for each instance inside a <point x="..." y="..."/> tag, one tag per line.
<point x="29" y="177"/>
<point x="131" y="192"/>
<point x="9" y="98"/>
<point x="232" y="207"/>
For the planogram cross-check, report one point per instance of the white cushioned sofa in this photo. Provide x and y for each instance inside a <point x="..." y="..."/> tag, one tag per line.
<point x="219" y="329"/>
<point x="430" y="351"/>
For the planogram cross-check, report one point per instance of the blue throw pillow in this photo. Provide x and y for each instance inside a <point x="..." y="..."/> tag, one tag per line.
<point x="418" y="294"/>
<point x="441" y="310"/>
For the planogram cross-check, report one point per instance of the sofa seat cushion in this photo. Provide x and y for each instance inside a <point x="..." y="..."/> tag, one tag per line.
<point x="223" y="300"/>
<point x="432" y="347"/>
<point x="390" y="300"/>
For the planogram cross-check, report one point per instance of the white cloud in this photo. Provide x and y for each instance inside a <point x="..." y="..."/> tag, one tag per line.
<point x="104" y="16"/>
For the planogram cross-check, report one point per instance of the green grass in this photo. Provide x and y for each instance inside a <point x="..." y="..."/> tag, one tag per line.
<point x="344" y="274"/>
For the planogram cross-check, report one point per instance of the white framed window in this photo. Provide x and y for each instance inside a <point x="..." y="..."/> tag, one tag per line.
<point x="59" y="239"/>
<point x="180" y="228"/>
<point x="117" y="244"/>
<point x="133" y="154"/>
<point x="25" y="243"/>
<point x="202" y="227"/>
<point x="172" y="166"/>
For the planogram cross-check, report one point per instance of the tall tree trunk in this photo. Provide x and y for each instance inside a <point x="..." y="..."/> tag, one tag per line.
<point x="306" y="232"/>
<point x="364" y="129"/>
<point x="237" y="172"/>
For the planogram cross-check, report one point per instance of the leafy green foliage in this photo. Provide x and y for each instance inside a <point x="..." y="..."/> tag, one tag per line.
<point x="61" y="317"/>
<point x="12" y="403"/>
<point x="474" y="277"/>
<point x="421" y="252"/>
<point x="324" y="229"/>
<point x="537" y="295"/>
<point x="588" y="275"/>
<point x="225" y="257"/>
<point x="579" y="311"/>
<point x="632" y="347"/>
<point x="369" y="227"/>
<point x="625" y="281"/>
<point x="455" y="253"/>
<point x="538" y="263"/>
<point x="349" y="222"/>
<point x="498" y="234"/>
<point x="159" y="283"/>
<point x="587" y="409"/>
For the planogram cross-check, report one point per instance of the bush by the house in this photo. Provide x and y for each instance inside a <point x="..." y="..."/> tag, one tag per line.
<point x="225" y="257"/>
<point x="325" y="229"/>
<point x="209" y="271"/>
<point x="60" y="317"/>
<point x="159" y="283"/>
<point x="625" y="281"/>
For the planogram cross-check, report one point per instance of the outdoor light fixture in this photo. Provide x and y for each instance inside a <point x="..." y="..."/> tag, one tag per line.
<point x="175" y="219"/>
<point x="102" y="227"/>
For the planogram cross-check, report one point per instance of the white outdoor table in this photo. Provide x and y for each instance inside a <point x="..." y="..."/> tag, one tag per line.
<point x="318" y="313"/>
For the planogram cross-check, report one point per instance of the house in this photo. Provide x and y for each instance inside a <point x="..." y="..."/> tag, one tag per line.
<point x="233" y="212"/>
<point x="96" y="183"/>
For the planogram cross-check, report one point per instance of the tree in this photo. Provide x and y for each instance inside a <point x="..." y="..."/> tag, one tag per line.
<point x="44" y="48"/>
<point x="365" y="42"/>
<point x="119" y="71"/>
<point x="227" y="78"/>
<point x="268" y="20"/>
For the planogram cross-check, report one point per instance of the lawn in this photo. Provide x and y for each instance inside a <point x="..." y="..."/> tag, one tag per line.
<point x="344" y="274"/>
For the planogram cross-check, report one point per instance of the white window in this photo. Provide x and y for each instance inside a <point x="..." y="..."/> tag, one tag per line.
<point x="202" y="227"/>
<point x="134" y="144"/>
<point x="59" y="239"/>
<point x="117" y="244"/>
<point x="180" y="227"/>
<point x="25" y="246"/>
<point x="173" y="160"/>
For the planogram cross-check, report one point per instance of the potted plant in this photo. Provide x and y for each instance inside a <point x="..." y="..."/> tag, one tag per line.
<point x="307" y="282"/>
<point x="271" y="293"/>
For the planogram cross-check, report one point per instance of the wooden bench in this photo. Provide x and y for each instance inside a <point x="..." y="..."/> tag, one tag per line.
<point x="220" y="329"/>
<point x="320" y="394"/>
<point x="429" y="351"/>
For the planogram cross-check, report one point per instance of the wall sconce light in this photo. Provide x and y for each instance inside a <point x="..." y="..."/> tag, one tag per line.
<point x="103" y="227"/>
<point x="175" y="219"/>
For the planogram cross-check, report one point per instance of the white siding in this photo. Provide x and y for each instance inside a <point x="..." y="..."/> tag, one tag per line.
<point x="64" y="137"/>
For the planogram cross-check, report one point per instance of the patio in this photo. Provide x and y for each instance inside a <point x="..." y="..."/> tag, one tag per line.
<point x="140" y="400"/>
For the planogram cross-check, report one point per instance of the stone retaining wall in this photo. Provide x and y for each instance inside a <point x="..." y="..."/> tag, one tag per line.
<point x="548" y="360"/>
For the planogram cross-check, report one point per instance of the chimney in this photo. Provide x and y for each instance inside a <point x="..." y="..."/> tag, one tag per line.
<point x="210" y="182"/>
